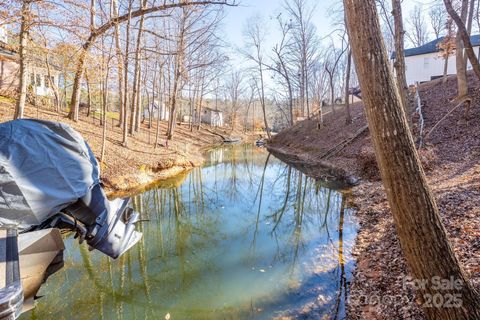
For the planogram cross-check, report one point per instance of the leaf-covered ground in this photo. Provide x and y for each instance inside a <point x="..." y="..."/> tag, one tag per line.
<point x="140" y="164"/>
<point x="451" y="159"/>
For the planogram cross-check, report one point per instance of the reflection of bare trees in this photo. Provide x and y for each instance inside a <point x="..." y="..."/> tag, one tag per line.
<point x="260" y="198"/>
<point x="342" y="279"/>
<point x="270" y="214"/>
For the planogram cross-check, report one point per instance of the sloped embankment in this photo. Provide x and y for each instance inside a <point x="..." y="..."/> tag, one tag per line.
<point x="451" y="159"/>
<point x="138" y="165"/>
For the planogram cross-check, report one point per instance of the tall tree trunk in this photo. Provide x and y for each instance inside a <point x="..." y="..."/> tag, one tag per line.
<point x="53" y="85"/>
<point x="332" y="92"/>
<point x="263" y="102"/>
<point x="89" y="95"/>
<point x="178" y="70"/>
<point x="104" y="118"/>
<point x="118" y="51"/>
<point x="125" y="76"/>
<point x="400" y="57"/>
<point x="445" y="69"/>
<point x="138" y="108"/>
<point x="162" y="6"/>
<point x="463" y="39"/>
<point x="421" y="233"/>
<point x="136" y="75"/>
<point x="161" y="102"/>
<point x="22" y="85"/>
<point x="199" y="111"/>
<point x="348" y="117"/>
<point x="75" y="102"/>
<point x="460" y="60"/>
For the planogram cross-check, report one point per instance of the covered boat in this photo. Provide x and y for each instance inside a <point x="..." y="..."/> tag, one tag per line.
<point x="49" y="178"/>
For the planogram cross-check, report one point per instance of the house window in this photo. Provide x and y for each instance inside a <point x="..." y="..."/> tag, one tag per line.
<point x="426" y="63"/>
<point x="38" y="82"/>
<point x="52" y="78"/>
<point x="32" y="79"/>
<point x="47" y="82"/>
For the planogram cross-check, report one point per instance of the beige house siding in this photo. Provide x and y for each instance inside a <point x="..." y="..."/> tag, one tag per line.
<point x="9" y="76"/>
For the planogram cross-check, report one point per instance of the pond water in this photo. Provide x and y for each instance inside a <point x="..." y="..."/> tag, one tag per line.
<point x="244" y="237"/>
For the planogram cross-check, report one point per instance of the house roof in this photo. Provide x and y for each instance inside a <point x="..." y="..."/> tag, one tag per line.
<point x="7" y="51"/>
<point x="10" y="53"/>
<point x="432" y="46"/>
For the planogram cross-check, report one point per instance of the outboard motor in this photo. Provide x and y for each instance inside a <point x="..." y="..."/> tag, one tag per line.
<point x="49" y="177"/>
<point x="109" y="225"/>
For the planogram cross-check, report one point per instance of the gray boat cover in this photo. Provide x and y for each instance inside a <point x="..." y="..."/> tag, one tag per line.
<point x="44" y="167"/>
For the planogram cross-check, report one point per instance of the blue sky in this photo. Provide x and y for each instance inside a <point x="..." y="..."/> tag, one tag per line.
<point x="237" y="16"/>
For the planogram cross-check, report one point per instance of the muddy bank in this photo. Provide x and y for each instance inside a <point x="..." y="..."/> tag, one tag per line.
<point x="330" y="175"/>
<point x="451" y="161"/>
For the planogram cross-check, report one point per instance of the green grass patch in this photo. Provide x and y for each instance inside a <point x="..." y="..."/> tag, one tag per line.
<point x="6" y="99"/>
<point x="110" y="114"/>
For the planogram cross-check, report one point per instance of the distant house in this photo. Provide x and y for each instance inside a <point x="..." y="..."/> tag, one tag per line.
<point x="41" y="82"/>
<point x="352" y="98"/>
<point x="9" y="70"/>
<point x="156" y="110"/>
<point x="424" y="63"/>
<point x="212" y="117"/>
<point x="38" y="78"/>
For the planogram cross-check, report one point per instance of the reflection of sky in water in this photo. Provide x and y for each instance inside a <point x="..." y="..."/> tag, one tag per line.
<point x="244" y="237"/>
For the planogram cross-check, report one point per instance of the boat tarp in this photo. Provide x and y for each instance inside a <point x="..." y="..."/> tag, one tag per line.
<point x="44" y="167"/>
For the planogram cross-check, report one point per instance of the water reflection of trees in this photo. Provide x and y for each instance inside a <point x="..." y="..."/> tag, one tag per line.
<point x="183" y="225"/>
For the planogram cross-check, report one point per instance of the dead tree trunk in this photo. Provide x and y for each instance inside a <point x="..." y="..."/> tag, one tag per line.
<point x="421" y="233"/>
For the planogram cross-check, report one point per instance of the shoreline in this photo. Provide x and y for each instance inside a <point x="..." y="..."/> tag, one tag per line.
<point x="450" y="161"/>
<point x="147" y="178"/>
<point x="127" y="170"/>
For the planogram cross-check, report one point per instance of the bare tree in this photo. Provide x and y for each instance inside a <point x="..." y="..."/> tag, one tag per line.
<point x="348" y="116"/>
<point x="282" y="64"/>
<point x="464" y="48"/>
<point x="254" y="39"/>
<point x="331" y="67"/>
<point x="447" y="47"/>
<point x="417" y="27"/>
<point x="305" y="43"/>
<point x="422" y="235"/>
<point x="235" y="88"/>
<point x="136" y="74"/>
<point x="25" y="17"/>
<point x="100" y="30"/>
<point x="438" y="17"/>
<point x="120" y="62"/>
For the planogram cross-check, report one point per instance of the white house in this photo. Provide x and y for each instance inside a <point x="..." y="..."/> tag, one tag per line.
<point x="212" y="117"/>
<point x="40" y="81"/>
<point x="425" y="63"/>
<point x="157" y="110"/>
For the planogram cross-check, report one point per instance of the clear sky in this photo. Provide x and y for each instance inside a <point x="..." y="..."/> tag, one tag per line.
<point x="237" y="16"/>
